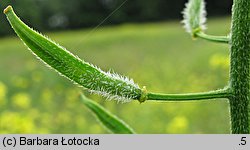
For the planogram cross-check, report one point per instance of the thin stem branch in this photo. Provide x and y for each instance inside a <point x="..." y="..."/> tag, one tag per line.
<point x="222" y="93"/>
<point x="220" y="39"/>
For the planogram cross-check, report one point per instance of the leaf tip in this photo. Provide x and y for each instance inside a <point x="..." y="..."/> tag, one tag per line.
<point x="194" y="16"/>
<point x="7" y="9"/>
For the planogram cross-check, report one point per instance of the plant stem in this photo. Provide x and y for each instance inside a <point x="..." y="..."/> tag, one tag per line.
<point x="220" y="39"/>
<point x="239" y="71"/>
<point x="222" y="93"/>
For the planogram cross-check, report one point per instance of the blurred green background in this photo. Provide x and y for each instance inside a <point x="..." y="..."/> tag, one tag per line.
<point x="159" y="55"/>
<point x="54" y="15"/>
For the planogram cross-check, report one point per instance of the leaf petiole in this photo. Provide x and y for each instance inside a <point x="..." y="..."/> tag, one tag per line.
<point x="221" y="93"/>
<point x="220" y="39"/>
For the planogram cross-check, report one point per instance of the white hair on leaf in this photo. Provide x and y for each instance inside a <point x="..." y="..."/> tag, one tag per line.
<point x="120" y="88"/>
<point x="194" y="16"/>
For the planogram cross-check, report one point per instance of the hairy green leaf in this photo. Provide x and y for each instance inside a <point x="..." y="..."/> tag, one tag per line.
<point x="194" y="16"/>
<point x="110" y="121"/>
<point x="110" y="85"/>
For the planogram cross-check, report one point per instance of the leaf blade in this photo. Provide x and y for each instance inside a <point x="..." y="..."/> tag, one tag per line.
<point x="194" y="16"/>
<point x="110" y="121"/>
<point x="107" y="84"/>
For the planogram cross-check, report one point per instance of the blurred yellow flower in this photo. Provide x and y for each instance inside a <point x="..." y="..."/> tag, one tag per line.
<point x="12" y="122"/>
<point x="19" y="82"/>
<point x="178" y="125"/>
<point x="64" y="118"/>
<point x="46" y="97"/>
<point x="36" y="76"/>
<point x="21" y="100"/>
<point x="3" y="91"/>
<point x="219" y="61"/>
<point x="96" y="128"/>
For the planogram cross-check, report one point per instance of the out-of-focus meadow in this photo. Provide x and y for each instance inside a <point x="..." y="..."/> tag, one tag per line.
<point x="161" y="56"/>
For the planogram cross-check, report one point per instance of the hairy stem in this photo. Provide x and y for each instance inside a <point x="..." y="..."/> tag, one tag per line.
<point x="220" y="39"/>
<point x="222" y="93"/>
<point x="239" y="71"/>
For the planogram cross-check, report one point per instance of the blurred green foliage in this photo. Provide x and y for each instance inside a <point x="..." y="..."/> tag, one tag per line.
<point x="34" y="99"/>
<point x="72" y="14"/>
